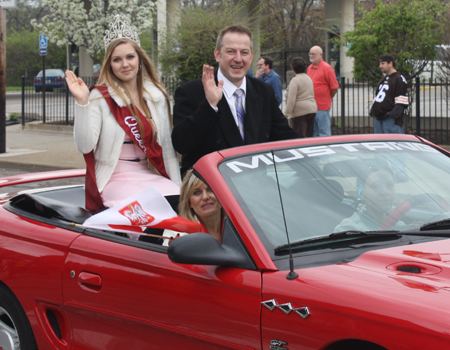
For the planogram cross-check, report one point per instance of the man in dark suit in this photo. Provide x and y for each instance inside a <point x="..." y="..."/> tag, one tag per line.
<point x="210" y="114"/>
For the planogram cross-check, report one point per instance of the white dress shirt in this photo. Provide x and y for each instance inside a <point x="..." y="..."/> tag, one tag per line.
<point x="228" y="90"/>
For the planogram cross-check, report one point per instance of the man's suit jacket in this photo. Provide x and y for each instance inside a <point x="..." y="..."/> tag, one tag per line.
<point x="199" y="130"/>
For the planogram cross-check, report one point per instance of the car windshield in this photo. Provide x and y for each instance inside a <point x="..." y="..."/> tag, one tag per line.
<point x="346" y="187"/>
<point x="52" y="73"/>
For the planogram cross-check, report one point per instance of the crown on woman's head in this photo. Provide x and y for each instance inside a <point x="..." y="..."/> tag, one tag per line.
<point x="118" y="30"/>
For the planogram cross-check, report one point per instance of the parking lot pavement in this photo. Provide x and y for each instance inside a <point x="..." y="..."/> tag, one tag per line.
<point x="40" y="147"/>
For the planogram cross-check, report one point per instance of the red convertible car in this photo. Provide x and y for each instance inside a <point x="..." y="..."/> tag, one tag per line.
<point x="328" y="243"/>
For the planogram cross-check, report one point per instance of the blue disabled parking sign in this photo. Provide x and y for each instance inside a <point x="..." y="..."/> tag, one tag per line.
<point x="42" y="45"/>
<point x="42" y="42"/>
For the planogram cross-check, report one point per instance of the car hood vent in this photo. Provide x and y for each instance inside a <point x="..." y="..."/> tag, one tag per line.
<point x="410" y="269"/>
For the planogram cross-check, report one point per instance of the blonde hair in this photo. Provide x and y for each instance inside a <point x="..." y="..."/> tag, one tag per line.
<point x="189" y="185"/>
<point x="146" y="71"/>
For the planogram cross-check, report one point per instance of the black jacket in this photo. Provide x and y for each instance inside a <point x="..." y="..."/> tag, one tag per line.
<point x="199" y="130"/>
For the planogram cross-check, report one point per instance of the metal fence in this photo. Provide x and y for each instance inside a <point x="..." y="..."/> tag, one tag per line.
<point x="428" y="113"/>
<point x="58" y="105"/>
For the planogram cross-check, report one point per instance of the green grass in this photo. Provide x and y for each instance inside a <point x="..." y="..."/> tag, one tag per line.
<point x="13" y="88"/>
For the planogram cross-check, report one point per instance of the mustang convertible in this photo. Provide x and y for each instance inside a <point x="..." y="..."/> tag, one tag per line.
<point x="328" y="243"/>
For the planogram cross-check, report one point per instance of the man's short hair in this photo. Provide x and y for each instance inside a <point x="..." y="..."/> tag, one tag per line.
<point x="298" y="64"/>
<point x="267" y="61"/>
<point x="234" y="28"/>
<point x="387" y="57"/>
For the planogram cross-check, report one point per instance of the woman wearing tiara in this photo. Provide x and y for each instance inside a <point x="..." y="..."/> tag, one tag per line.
<point x="123" y="125"/>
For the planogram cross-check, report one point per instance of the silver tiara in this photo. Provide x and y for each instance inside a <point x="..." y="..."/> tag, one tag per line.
<point x="118" y="30"/>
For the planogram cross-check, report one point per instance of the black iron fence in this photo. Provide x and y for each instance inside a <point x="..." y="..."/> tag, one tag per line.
<point x="428" y="113"/>
<point x="56" y="105"/>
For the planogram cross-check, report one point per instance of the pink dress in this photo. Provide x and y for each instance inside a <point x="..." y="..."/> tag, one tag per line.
<point x="132" y="175"/>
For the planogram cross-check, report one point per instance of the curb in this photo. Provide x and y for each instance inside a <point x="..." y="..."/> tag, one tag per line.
<point x="14" y="95"/>
<point x="31" y="168"/>
<point x="50" y="128"/>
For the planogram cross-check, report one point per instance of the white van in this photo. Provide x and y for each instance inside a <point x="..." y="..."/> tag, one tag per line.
<point x="440" y="67"/>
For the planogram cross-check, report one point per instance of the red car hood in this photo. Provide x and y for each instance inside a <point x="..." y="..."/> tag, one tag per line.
<point x="373" y="286"/>
<point x="423" y="266"/>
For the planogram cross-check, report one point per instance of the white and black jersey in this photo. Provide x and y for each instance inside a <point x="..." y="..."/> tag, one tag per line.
<point x="392" y="90"/>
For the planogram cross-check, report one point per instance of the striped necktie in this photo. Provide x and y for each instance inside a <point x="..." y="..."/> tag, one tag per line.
<point x="240" y="112"/>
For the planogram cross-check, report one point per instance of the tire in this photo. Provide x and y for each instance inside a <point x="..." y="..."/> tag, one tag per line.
<point x="38" y="90"/>
<point x="15" y="329"/>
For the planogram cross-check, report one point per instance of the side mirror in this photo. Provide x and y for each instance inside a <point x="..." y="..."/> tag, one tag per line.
<point x="203" y="249"/>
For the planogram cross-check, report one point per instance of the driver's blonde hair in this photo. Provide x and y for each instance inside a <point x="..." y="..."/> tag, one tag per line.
<point x="189" y="184"/>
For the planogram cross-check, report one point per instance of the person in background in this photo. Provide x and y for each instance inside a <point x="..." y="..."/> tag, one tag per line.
<point x="123" y="126"/>
<point x="268" y="75"/>
<point x="377" y="193"/>
<point x="301" y="106"/>
<point x="227" y="108"/>
<point x="325" y="87"/>
<point x="391" y="99"/>
<point x="198" y="203"/>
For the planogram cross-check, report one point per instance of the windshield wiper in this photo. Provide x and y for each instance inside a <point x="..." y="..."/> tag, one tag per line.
<point x="335" y="238"/>
<point x="436" y="225"/>
<point x="354" y="234"/>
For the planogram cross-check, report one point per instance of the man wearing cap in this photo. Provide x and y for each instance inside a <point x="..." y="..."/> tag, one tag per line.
<point x="391" y="99"/>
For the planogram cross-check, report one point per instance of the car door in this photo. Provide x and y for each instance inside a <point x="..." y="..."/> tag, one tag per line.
<point x="121" y="294"/>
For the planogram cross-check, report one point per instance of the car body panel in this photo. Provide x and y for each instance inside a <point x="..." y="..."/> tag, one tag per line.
<point x="106" y="291"/>
<point x="136" y="294"/>
<point x="41" y="250"/>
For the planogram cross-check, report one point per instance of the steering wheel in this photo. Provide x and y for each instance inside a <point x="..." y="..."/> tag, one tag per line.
<point x="410" y="203"/>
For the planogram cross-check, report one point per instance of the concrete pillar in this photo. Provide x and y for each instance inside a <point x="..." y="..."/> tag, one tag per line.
<point x="167" y="16"/>
<point x="173" y="13"/>
<point x="347" y="24"/>
<point x="339" y="16"/>
<point x="161" y="17"/>
<point x="86" y="63"/>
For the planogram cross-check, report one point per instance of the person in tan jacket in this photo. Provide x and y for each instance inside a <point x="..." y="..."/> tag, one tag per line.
<point x="301" y="106"/>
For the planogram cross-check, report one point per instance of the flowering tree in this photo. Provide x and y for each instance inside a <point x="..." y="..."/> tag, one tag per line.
<point x="83" y="22"/>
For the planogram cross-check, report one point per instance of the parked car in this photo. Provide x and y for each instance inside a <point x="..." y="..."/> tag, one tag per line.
<point x="54" y="78"/>
<point x="328" y="243"/>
